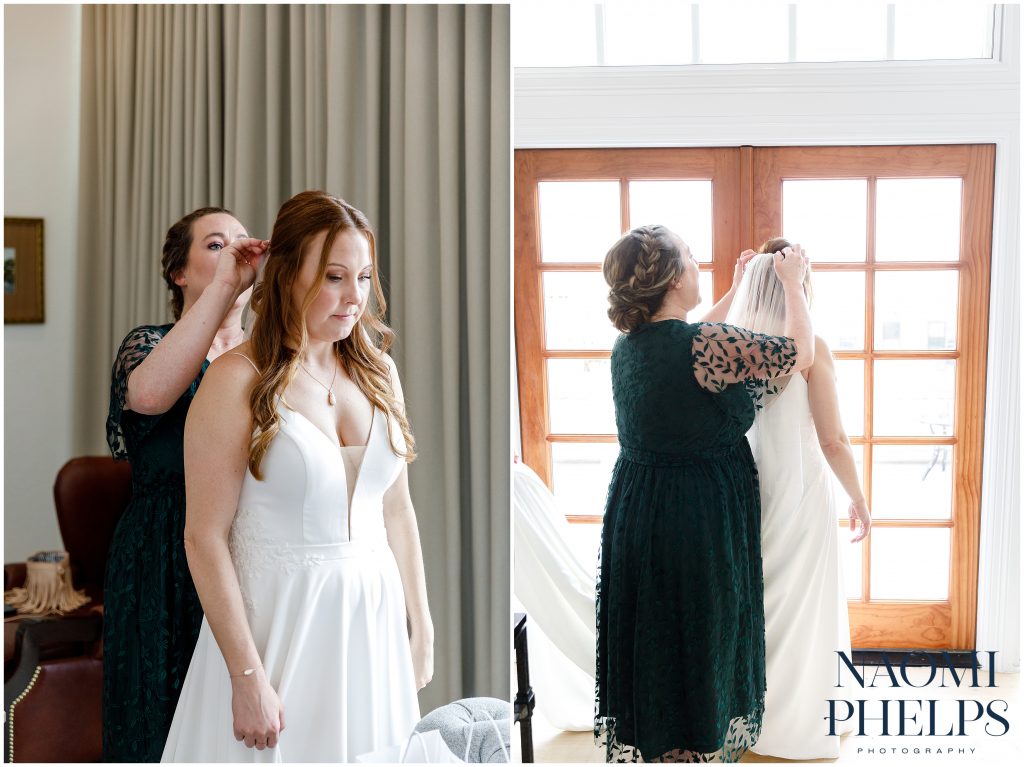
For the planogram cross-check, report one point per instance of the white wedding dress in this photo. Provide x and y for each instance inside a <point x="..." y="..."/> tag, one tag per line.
<point x="324" y="602"/>
<point x="805" y="610"/>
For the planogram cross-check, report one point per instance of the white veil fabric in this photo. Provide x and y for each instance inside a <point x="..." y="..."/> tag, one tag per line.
<point x="760" y="306"/>
<point x="557" y="590"/>
<point x="760" y="302"/>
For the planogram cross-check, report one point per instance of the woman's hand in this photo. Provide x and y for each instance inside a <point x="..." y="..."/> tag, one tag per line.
<point x="741" y="266"/>
<point x="238" y="263"/>
<point x="791" y="265"/>
<point x="256" y="710"/>
<point x="422" y="646"/>
<point x="859" y="513"/>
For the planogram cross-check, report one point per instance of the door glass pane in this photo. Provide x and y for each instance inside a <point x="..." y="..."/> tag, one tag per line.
<point x="660" y="34"/>
<point x="705" y="280"/>
<point x="910" y="563"/>
<point x="958" y="30"/>
<point x="851" y="556"/>
<point x="837" y="309"/>
<point x="759" y="33"/>
<point x="579" y="220"/>
<point x="580" y="397"/>
<point x="682" y="206"/>
<point x="842" y="499"/>
<point x="850" y="388"/>
<point x="839" y="32"/>
<point x="828" y="217"/>
<point x="580" y="474"/>
<point x="918" y="219"/>
<point x="916" y="310"/>
<point x="576" y="311"/>
<point x="912" y="481"/>
<point x="914" y="397"/>
<point x="585" y="541"/>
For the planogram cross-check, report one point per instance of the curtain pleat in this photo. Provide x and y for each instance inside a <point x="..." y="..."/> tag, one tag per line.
<point x="404" y="112"/>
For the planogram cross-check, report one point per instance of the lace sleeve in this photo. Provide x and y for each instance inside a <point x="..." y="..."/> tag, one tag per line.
<point x="726" y="354"/>
<point x="134" y="349"/>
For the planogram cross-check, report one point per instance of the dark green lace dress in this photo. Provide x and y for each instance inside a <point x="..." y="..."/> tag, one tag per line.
<point x="152" y="614"/>
<point x="680" y="613"/>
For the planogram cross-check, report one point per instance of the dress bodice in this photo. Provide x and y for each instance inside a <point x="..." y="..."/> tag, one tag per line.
<point x="690" y="390"/>
<point x="660" y="407"/>
<point x="303" y="499"/>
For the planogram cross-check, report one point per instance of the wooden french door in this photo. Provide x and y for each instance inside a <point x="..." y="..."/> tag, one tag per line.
<point x="570" y="207"/>
<point x="900" y="239"/>
<point x="900" y="242"/>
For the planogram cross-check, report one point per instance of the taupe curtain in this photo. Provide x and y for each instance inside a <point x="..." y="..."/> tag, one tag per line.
<point x="403" y="111"/>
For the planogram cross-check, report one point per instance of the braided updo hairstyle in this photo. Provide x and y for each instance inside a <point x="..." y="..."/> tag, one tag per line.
<point x="639" y="269"/>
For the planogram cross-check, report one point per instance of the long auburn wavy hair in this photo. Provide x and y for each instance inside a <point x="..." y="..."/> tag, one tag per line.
<point x="279" y="335"/>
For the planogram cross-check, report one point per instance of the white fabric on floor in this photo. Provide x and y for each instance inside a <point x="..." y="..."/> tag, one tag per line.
<point x="557" y="589"/>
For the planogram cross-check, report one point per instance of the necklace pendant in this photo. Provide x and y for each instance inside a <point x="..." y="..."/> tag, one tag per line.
<point x="330" y="397"/>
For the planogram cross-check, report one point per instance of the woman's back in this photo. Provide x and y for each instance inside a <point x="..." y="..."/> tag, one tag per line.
<point x="660" y="406"/>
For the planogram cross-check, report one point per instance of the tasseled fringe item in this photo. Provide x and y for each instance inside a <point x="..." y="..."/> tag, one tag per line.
<point x="48" y="588"/>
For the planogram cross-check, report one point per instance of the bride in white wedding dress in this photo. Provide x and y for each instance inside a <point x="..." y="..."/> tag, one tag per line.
<point x="300" y="532"/>
<point x="796" y="439"/>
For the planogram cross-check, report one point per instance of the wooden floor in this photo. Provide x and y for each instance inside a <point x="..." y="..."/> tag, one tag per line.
<point x="556" y="746"/>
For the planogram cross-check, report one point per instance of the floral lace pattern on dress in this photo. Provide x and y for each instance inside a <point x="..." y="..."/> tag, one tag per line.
<point x="253" y="548"/>
<point x="742" y="733"/>
<point x="725" y="354"/>
<point x="135" y="347"/>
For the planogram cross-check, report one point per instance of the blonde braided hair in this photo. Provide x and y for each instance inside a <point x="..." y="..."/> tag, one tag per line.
<point x="639" y="269"/>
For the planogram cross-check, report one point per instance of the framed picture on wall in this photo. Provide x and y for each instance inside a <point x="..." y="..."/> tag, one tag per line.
<point x="23" y="270"/>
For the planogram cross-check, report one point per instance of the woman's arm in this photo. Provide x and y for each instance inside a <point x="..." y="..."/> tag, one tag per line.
<point x="791" y="266"/>
<point x="720" y="311"/>
<point x="156" y="384"/>
<point x="824" y="399"/>
<point x="404" y="540"/>
<point x="217" y="434"/>
<point x="726" y="354"/>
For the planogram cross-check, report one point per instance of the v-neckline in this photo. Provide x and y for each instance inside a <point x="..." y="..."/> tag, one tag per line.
<point x="349" y="502"/>
<point x="336" y="443"/>
<point x="337" y="449"/>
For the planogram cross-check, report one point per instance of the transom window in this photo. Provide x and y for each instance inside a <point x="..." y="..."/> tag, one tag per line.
<point x="567" y="34"/>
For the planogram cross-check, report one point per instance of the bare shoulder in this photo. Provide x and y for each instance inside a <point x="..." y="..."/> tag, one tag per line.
<point x="396" y="383"/>
<point x="230" y="375"/>
<point x="821" y="348"/>
<point x="823" y="364"/>
<point x="392" y="367"/>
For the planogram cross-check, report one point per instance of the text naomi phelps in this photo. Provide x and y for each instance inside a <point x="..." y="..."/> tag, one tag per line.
<point x="914" y="716"/>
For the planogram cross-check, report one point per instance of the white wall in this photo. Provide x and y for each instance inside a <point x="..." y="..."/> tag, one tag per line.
<point x="42" y="57"/>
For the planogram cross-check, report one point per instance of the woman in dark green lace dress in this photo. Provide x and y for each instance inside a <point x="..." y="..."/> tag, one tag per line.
<point x="680" y="649"/>
<point x="151" y="612"/>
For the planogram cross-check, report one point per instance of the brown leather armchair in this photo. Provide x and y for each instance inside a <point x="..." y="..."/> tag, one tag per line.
<point x="53" y="667"/>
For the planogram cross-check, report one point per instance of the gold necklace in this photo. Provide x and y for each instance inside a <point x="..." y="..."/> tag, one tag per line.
<point x="330" y="389"/>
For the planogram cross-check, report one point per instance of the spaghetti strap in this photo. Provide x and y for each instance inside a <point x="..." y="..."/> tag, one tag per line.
<point x="239" y="354"/>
